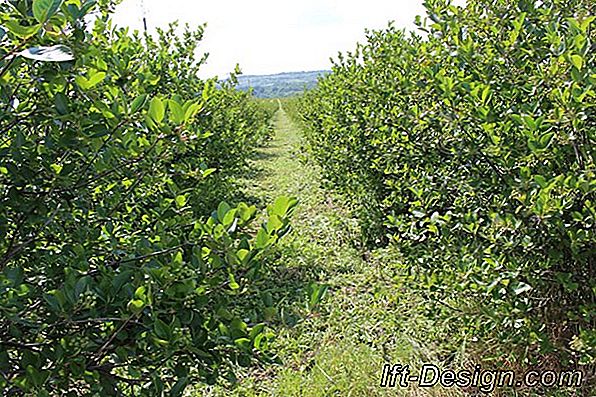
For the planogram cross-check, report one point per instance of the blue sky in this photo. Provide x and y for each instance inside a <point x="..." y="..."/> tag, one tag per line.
<point x="271" y="36"/>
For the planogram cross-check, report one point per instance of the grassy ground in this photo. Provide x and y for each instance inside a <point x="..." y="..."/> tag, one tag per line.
<point x="338" y="346"/>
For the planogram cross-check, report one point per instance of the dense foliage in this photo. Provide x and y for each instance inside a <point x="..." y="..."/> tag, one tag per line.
<point x="471" y="147"/>
<point x="115" y="275"/>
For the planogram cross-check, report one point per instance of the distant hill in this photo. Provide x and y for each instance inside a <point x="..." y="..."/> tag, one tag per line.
<point x="280" y="85"/>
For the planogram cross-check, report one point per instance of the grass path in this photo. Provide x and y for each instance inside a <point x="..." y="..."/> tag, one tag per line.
<point x="339" y="347"/>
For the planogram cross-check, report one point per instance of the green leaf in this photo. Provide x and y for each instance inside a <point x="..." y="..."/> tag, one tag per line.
<point x="317" y="293"/>
<point x="274" y="223"/>
<point x="530" y="123"/>
<point x="282" y="206"/>
<point x="207" y="172"/>
<point x="258" y="342"/>
<point x="37" y="377"/>
<point x="577" y="61"/>
<point x="243" y="255"/>
<point x="151" y="123"/>
<point x="23" y="32"/>
<point x="222" y="210"/>
<point x="162" y="330"/>
<point x="256" y="330"/>
<point x="178" y="258"/>
<point x="181" y="201"/>
<point x="156" y="110"/>
<point x="61" y="102"/>
<point x="86" y="6"/>
<point x="541" y="181"/>
<point x="233" y="284"/>
<point x="81" y="285"/>
<point x="245" y="212"/>
<point x="262" y="239"/>
<point x="138" y="103"/>
<point x="179" y="387"/>
<point x="586" y="23"/>
<point x="95" y="79"/>
<point x="207" y="90"/>
<point x="140" y="293"/>
<point x="121" y="279"/>
<point x="44" y="9"/>
<point x="87" y="83"/>
<point x="229" y="218"/>
<point x="176" y="112"/>
<point x="545" y="139"/>
<point x="191" y="110"/>
<point x="136" y="306"/>
<point x="243" y="343"/>
<point x="56" y="168"/>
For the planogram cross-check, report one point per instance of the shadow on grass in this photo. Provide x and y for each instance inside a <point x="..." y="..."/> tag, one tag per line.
<point x="262" y="155"/>
<point x="289" y="283"/>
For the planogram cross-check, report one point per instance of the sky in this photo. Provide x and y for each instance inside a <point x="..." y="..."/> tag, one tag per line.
<point x="272" y="36"/>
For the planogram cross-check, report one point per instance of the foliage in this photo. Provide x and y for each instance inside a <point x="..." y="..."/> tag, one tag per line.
<point x="292" y="106"/>
<point x="472" y="149"/>
<point x="115" y="276"/>
<point x="270" y="106"/>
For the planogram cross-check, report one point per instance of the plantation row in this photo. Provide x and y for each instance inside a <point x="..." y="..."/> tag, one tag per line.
<point x="472" y="150"/>
<point x="116" y="276"/>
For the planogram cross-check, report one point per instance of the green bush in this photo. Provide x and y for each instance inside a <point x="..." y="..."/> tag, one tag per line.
<point x="471" y="147"/>
<point x="115" y="275"/>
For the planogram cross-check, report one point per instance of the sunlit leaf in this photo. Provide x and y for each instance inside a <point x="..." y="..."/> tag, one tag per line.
<point x="44" y="9"/>
<point x="156" y="110"/>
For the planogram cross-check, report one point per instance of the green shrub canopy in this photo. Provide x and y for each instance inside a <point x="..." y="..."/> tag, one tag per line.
<point x="115" y="275"/>
<point x="472" y="149"/>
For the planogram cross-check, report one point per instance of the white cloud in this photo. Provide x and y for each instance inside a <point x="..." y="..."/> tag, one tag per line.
<point x="267" y="36"/>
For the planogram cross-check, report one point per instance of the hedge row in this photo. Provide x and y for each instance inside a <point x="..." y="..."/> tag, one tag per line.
<point x="116" y="276"/>
<point x="471" y="146"/>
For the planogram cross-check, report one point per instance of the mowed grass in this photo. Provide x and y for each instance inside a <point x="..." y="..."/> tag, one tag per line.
<point x="366" y="319"/>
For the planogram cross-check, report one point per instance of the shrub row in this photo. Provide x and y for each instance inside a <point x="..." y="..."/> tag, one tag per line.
<point x="116" y="276"/>
<point x="470" y="145"/>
